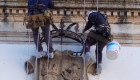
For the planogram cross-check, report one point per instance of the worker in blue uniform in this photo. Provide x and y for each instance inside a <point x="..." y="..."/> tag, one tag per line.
<point x="38" y="7"/>
<point x="100" y="26"/>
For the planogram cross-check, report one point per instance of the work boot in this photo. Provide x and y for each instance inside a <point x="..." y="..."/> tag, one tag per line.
<point x="76" y="54"/>
<point x="51" y="55"/>
<point x="98" y="69"/>
<point x="44" y="54"/>
<point x="41" y="54"/>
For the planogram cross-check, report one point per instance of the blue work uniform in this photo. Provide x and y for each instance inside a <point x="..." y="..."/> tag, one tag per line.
<point x="48" y="3"/>
<point x="100" y="23"/>
<point x="37" y="8"/>
<point x="102" y="27"/>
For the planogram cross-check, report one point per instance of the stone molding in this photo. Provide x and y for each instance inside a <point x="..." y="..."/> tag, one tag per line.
<point x="110" y="4"/>
<point x="75" y="15"/>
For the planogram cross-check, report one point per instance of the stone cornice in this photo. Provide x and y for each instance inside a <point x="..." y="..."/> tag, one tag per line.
<point x="74" y="15"/>
<point x="103" y="4"/>
<point x="118" y="11"/>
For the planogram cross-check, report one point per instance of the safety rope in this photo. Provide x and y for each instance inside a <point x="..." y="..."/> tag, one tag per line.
<point x="97" y="54"/>
<point x="97" y="45"/>
<point x="61" y="43"/>
<point x="37" y="54"/>
<point x="84" y="57"/>
<point x="84" y="7"/>
<point x="97" y="5"/>
<point x="28" y="56"/>
<point x="48" y="47"/>
<point x="29" y="42"/>
<point x="36" y="62"/>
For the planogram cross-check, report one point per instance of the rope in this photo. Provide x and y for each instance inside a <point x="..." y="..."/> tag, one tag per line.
<point x="97" y="58"/>
<point x="28" y="56"/>
<point x="97" y="54"/>
<point x="84" y="7"/>
<point x="84" y="43"/>
<point x="36" y="61"/>
<point x="29" y="41"/>
<point x="61" y="43"/>
<point x="97" y="6"/>
<point x="84" y="66"/>
<point x="48" y="53"/>
<point x="84" y="61"/>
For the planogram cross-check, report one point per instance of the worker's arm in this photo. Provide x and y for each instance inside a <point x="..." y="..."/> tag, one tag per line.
<point x="91" y="21"/>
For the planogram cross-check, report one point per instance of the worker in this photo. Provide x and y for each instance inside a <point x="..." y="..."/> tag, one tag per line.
<point x="101" y="27"/>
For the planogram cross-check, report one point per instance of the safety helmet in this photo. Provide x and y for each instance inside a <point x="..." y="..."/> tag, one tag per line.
<point x="91" y="12"/>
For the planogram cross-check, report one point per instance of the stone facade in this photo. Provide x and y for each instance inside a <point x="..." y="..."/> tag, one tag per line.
<point x="120" y="13"/>
<point x="75" y="15"/>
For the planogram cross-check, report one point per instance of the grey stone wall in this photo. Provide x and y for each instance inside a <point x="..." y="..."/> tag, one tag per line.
<point x="123" y="15"/>
<point x="109" y="4"/>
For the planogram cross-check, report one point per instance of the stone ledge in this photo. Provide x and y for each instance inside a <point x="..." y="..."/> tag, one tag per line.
<point x="65" y="12"/>
<point x="22" y="37"/>
<point x="114" y="16"/>
<point x="110" y="4"/>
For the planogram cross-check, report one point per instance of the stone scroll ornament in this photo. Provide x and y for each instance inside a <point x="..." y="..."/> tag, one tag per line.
<point x="63" y="66"/>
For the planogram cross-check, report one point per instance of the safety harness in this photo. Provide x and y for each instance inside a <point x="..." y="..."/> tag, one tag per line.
<point x="38" y="15"/>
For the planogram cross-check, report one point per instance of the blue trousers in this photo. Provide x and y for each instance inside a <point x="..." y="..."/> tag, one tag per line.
<point x="99" y="47"/>
<point x="45" y="30"/>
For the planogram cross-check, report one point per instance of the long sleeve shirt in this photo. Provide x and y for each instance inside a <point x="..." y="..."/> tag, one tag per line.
<point x="48" y="3"/>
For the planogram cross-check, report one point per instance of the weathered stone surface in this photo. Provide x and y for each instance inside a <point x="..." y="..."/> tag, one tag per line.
<point x="121" y="15"/>
<point x="79" y="3"/>
<point x="63" y="66"/>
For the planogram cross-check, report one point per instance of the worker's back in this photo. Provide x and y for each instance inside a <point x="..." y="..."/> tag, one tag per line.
<point x="47" y="3"/>
<point x="97" y="19"/>
<point x="39" y="6"/>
